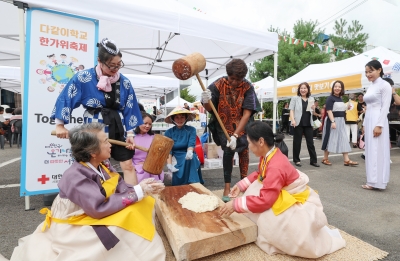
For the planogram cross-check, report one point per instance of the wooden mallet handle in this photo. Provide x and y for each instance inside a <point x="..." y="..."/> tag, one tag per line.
<point x="117" y="142"/>
<point x="213" y="109"/>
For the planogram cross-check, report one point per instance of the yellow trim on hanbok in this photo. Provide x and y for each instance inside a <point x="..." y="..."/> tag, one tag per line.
<point x="136" y="218"/>
<point x="286" y="200"/>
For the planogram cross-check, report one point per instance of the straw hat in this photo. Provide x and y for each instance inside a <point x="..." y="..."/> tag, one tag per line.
<point x="179" y="110"/>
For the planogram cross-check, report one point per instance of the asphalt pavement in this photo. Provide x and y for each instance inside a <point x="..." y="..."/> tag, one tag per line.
<point x="372" y="216"/>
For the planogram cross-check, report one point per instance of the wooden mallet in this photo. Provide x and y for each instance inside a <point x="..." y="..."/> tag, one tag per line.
<point x="157" y="154"/>
<point x="190" y="65"/>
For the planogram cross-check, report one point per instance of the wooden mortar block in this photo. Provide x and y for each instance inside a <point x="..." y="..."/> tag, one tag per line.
<point x="194" y="235"/>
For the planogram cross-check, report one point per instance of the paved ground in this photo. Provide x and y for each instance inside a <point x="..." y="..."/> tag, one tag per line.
<point x="372" y="216"/>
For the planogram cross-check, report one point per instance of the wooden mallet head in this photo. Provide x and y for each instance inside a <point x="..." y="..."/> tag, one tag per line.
<point x="189" y="65"/>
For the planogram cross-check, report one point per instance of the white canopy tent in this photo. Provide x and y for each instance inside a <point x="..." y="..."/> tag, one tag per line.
<point x="152" y="34"/>
<point x="10" y="79"/>
<point x="149" y="86"/>
<point x="351" y="71"/>
<point x="265" y="88"/>
<point x="177" y="101"/>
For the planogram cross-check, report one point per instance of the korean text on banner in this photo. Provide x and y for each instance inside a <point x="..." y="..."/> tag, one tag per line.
<point x="323" y="86"/>
<point x="57" y="47"/>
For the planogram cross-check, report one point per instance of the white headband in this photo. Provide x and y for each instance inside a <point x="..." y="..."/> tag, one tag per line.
<point x="109" y="50"/>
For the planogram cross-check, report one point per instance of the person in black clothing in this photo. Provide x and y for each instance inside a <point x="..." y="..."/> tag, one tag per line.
<point x="361" y="104"/>
<point x="316" y="116"/>
<point x="155" y="110"/>
<point x="393" y="113"/>
<point x="285" y="118"/>
<point x="186" y="106"/>
<point x="301" y="120"/>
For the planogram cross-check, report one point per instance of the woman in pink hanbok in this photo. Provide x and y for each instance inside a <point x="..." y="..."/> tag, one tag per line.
<point x="144" y="137"/>
<point x="288" y="213"/>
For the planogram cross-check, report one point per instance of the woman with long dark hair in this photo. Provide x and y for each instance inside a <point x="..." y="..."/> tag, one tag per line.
<point x="288" y="213"/>
<point x="301" y="108"/>
<point x="376" y="128"/>
<point x="334" y="137"/>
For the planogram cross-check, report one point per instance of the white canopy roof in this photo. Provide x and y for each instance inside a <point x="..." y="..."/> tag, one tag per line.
<point x="265" y="88"/>
<point x="351" y="71"/>
<point x="146" y="86"/>
<point x="152" y="34"/>
<point x="10" y="78"/>
<point x="149" y="86"/>
<point x="177" y="101"/>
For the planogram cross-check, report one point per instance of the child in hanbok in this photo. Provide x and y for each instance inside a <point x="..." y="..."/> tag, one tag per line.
<point x="144" y="137"/>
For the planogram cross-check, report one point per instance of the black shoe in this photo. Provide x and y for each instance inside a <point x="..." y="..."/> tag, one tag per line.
<point x="315" y="164"/>
<point x="363" y="156"/>
<point x="298" y="164"/>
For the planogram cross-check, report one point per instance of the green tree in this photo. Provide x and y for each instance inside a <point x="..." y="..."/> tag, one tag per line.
<point x="185" y="94"/>
<point x="292" y="58"/>
<point x="349" y="38"/>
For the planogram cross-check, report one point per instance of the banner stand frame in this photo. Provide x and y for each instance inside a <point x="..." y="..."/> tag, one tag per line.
<point x="21" y="15"/>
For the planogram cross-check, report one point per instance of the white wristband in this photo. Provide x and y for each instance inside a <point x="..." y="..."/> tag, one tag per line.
<point x="130" y="135"/>
<point x="139" y="192"/>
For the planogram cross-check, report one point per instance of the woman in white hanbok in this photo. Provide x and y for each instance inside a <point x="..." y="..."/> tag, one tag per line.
<point x="376" y="128"/>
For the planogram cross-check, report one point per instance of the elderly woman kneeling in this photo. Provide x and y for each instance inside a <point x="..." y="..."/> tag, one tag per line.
<point x="96" y="216"/>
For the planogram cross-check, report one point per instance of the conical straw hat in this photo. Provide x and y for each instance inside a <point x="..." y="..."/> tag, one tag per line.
<point x="179" y="110"/>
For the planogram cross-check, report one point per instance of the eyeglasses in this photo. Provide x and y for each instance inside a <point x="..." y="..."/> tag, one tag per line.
<point x="115" y="67"/>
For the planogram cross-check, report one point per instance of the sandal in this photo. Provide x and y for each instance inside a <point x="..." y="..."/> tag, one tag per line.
<point x="326" y="162"/>
<point x="369" y="187"/>
<point x="350" y="163"/>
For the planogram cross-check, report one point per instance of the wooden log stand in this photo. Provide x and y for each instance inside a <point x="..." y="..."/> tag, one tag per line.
<point x="195" y="235"/>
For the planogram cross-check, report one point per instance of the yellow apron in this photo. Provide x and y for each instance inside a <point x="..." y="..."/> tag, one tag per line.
<point x="136" y="218"/>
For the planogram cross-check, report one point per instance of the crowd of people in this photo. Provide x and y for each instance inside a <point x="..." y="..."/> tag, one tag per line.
<point x="92" y="215"/>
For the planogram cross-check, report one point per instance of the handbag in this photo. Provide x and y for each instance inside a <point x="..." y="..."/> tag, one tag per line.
<point x="361" y="143"/>
<point x="316" y="124"/>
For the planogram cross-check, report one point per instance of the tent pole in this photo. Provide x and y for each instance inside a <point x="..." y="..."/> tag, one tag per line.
<point x="275" y="102"/>
<point x="179" y="95"/>
<point x="21" y="14"/>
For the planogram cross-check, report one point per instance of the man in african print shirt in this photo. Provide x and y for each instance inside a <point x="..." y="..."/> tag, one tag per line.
<point x="236" y="102"/>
